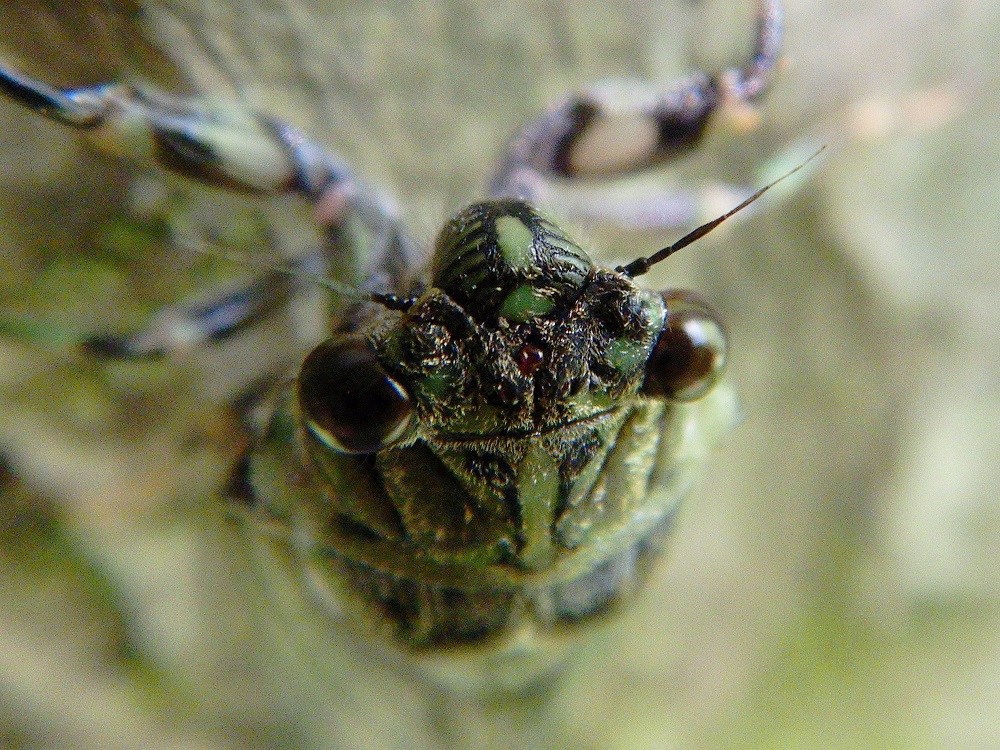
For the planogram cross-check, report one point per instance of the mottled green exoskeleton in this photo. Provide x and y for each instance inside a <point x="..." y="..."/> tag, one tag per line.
<point x="486" y="453"/>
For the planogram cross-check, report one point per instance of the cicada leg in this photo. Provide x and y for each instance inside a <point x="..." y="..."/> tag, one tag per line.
<point x="612" y="130"/>
<point x="244" y="152"/>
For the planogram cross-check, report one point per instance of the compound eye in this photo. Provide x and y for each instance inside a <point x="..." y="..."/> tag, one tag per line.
<point x="690" y="354"/>
<point x="348" y="400"/>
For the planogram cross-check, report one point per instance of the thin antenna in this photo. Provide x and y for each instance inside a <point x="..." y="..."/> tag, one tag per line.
<point x="389" y="301"/>
<point x="639" y="266"/>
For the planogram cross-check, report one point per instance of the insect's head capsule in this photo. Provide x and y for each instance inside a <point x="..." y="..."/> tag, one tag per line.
<point x="519" y="334"/>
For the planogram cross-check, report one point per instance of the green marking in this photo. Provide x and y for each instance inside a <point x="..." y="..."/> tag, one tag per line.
<point x="625" y="354"/>
<point x="515" y="240"/>
<point x="525" y="303"/>
<point x="435" y="385"/>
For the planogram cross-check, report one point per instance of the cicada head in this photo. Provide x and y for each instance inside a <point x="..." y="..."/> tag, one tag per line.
<point x="507" y="383"/>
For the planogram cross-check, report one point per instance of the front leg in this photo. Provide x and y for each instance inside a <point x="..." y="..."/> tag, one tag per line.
<point x="230" y="148"/>
<point x="613" y="130"/>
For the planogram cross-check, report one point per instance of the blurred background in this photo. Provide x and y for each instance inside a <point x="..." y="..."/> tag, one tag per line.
<point x="833" y="582"/>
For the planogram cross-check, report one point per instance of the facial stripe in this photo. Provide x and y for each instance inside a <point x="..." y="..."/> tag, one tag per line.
<point x="538" y="488"/>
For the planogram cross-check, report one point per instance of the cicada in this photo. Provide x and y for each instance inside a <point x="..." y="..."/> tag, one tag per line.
<point x="488" y="450"/>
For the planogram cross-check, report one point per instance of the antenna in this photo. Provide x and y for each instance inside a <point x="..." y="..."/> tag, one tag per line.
<point x="639" y="266"/>
<point x="389" y="301"/>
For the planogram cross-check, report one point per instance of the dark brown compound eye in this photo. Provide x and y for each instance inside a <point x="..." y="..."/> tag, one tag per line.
<point x="348" y="400"/>
<point x="690" y="354"/>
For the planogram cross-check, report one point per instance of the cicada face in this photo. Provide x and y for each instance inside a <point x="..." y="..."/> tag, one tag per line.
<point x="503" y="454"/>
